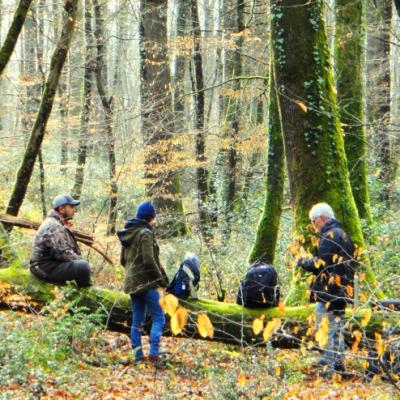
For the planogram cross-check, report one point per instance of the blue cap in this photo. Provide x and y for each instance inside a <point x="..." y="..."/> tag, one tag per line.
<point x="146" y="210"/>
<point x="63" y="200"/>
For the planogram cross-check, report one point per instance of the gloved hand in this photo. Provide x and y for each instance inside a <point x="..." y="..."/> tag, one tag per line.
<point x="300" y="262"/>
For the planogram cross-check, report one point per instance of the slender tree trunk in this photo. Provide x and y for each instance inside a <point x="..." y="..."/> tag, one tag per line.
<point x="40" y="72"/>
<point x="314" y="146"/>
<point x="101" y="81"/>
<point x="35" y="140"/>
<point x="163" y="180"/>
<point x="268" y="227"/>
<point x="379" y="93"/>
<point x="12" y="36"/>
<point x="199" y="101"/>
<point x="86" y="104"/>
<point x="350" y="70"/>
<point x="233" y="117"/>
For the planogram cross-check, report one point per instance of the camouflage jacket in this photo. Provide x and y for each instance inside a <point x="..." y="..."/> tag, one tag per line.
<point x="53" y="243"/>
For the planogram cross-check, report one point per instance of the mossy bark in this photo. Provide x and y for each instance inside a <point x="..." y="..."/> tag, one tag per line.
<point x="350" y="69"/>
<point x="37" y="134"/>
<point x="268" y="227"/>
<point x="163" y="184"/>
<point x="12" y="36"/>
<point x="232" y="323"/>
<point x="314" y="145"/>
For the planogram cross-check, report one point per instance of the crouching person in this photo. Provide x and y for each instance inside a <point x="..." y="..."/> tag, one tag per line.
<point x="259" y="288"/>
<point x="56" y="256"/>
<point x="185" y="283"/>
<point x="332" y="287"/>
<point x="144" y="277"/>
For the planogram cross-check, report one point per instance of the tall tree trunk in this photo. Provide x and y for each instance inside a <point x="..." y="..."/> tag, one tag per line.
<point x="233" y="115"/>
<point x="12" y="36"/>
<point x="314" y="146"/>
<point x="40" y="72"/>
<point x="163" y="180"/>
<point x="36" y="137"/>
<point x="379" y="93"/>
<point x="350" y="70"/>
<point x="268" y="227"/>
<point x="199" y="101"/>
<point x="106" y="101"/>
<point x="86" y="104"/>
<point x="33" y="76"/>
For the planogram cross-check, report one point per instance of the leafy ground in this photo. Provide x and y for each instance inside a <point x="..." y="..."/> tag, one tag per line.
<point x="62" y="357"/>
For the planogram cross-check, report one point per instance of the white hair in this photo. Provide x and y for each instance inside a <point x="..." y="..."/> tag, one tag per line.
<point x="321" y="210"/>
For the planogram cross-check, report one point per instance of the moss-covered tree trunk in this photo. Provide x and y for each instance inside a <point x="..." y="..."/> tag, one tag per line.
<point x="86" y="104"/>
<point x="268" y="227"/>
<point x="12" y="36"/>
<point x="36" y="137"/>
<point x="314" y="146"/>
<point x="232" y="323"/>
<point x="350" y="70"/>
<point x="162" y="176"/>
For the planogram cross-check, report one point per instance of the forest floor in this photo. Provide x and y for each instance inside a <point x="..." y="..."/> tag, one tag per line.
<point x="99" y="367"/>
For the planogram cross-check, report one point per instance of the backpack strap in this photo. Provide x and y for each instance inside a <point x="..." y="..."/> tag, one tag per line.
<point x="189" y="273"/>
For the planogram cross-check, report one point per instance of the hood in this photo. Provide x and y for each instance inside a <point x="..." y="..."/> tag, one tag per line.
<point x="132" y="227"/>
<point x="192" y="260"/>
<point x="331" y="224"/>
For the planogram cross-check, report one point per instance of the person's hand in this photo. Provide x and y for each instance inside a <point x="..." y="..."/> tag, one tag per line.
<point x="300" y="262"/>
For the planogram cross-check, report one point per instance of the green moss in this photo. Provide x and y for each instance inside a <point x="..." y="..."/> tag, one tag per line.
<point x="350" y="65"/>
<point x="314" y="145"/>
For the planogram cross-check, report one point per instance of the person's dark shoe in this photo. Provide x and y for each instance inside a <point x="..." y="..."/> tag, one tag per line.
<point x="158" y="361"/>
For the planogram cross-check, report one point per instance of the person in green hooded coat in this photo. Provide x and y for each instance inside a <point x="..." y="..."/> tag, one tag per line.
<point x="144" y="277"/>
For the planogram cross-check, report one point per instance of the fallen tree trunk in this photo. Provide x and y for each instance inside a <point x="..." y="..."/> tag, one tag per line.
<point x="232" y="323"/>
<point x="80" y="236"/>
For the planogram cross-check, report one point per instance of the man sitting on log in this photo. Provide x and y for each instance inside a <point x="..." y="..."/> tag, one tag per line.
<point x="56" y="256"/>
<point x="332" y="286"/>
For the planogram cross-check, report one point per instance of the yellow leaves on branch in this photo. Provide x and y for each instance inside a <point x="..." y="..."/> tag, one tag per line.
<point x="204" y="326"/>
<point x="302" y="106"/>
<point x="169" y="304"/>
<point x="321" y="335"/>
<point x="178" y="320"/>
<point x="258" y="325"/>
<point x="271" y="328"/>
<point x="379" y="345"/>
<point x="179" y="315"/>
<point x="319" y="262"/>
<point x="366" y="318"/>
<point x="357" y="335"/>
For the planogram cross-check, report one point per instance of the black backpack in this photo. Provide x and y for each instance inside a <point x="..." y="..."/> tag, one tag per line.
<point x="186" y="281"/>
<point x="259" y="288"/>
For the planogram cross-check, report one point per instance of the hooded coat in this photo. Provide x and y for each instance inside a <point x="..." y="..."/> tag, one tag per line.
<point x="140" y="257"/>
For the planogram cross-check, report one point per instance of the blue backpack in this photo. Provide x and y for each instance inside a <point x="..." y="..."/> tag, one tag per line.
<point x="259" y="288"/>
<point x="186" y="280"/>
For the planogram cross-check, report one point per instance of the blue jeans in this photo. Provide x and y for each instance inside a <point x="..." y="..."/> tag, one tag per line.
<point x="333" y="353"/>
<point x="140" y="302"/>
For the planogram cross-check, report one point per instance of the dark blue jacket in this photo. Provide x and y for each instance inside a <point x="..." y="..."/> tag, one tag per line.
<point x="334" y="276"/>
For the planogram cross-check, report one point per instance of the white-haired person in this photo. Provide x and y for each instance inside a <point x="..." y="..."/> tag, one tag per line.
<point x="332" y="287"/>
